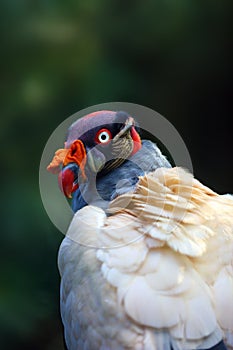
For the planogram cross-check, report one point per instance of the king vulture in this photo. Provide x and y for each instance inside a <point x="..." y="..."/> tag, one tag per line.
<point x="147" y="262"/>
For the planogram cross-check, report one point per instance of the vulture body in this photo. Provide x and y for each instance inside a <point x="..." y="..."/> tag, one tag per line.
<point x="147" y="262"/>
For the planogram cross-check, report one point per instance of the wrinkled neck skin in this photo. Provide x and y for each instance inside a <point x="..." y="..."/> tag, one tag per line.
<point x="99" y="191"/>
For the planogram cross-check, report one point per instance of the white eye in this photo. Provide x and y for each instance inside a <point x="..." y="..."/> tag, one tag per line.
<point x="103" y="136"/>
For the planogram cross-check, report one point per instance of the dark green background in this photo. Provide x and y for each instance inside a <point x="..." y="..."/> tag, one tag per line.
<point x="58" y="57"/>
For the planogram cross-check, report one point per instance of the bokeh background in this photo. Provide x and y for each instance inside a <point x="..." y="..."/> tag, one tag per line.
<point x="58" y="57"/>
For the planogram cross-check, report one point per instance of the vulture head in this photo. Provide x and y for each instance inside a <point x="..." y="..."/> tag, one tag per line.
<point x="103" y="157"/>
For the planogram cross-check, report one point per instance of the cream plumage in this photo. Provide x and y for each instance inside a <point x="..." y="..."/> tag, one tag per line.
<point x="167" y="286"/>
<point x="152" y="271"/>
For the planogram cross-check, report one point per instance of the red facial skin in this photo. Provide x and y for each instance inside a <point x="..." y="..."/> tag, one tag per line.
<point x="66" y="178"/>
<point x="66" y="184"/>
<point x="137" y="140"/>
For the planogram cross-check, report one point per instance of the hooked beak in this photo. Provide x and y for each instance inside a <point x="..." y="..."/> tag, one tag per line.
<point x="127" y="127"/>
<point x="74" y="162"/>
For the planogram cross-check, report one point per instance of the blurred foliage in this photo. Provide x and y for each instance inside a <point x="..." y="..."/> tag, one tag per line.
<point x="58" y="57"/>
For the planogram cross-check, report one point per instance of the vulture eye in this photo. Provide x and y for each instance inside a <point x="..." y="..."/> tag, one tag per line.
<point x="103" y="136"/>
